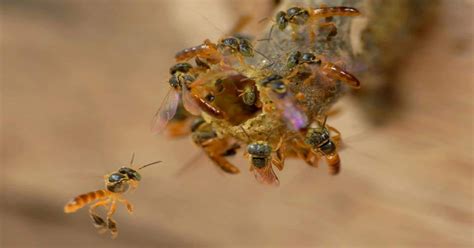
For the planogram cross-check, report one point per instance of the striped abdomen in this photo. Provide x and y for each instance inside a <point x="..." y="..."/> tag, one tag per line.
<point x="335" y="72"/>
<point x="82" y="200"/>
<point x="208" y="51"/>
<point x="335" y="11"/>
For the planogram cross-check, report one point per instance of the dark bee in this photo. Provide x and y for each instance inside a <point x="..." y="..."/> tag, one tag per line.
<point x="320" y="141"/>
<point x="329" y="69"/>
<point x="180" y="75"/>
<point x="237" y="45"/>
<point x="260" y="154"/>
<point x="276" y="84"/>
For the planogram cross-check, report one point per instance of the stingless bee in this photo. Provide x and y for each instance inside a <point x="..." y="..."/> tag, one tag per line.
<point x="328" y="69"/>
<point x="285" y="101"/>
<point x="236" y="47"/>
<point x="323" y="144"/>
<point x="262" y="158"/>
<point x="216" y="148"/>
<point x="116" y="184"/>
<point x="249" y="95"/>
<point x="181" y="78"/>
<point x="296" y="16"/>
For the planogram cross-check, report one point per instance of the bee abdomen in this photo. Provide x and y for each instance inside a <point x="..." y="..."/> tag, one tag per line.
<point x="82" y="200"/>
<point x="336" y="11"/>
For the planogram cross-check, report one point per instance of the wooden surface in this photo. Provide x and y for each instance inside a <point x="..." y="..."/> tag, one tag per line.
<point x="80" y="82"/>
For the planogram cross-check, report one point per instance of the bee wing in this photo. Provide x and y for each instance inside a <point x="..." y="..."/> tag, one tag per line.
<point x="189" y="103"/>
<point x="295" y="117"/>
<point x="266" y="175"/>
<point x="166" y="111"/>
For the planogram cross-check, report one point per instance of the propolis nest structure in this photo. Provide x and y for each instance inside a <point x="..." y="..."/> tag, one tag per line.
<point x="270" y="95"/>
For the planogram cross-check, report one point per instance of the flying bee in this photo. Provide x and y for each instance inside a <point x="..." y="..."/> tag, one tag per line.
<point x="328" y="69"/>
<point x="296" y="16"/>
<point x="261" y="160"/>
<point x="285" y="102"/>
<point x="180" y="81"/>
<point x="323" y="144"/>
<point x="116" y="184"/>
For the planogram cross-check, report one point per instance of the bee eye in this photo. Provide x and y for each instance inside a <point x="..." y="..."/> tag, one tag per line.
<point x="136" y="176"/>
<point x="279" y="87"/>
<point x="131" y="173"/>
<point x="210" y="98"/>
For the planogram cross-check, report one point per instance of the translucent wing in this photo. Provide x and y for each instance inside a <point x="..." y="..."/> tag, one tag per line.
<point x="266" y="175"/>
<point x="166" y="111"/>
<point x="295" y="117"/>
<point x="189" y="103"/>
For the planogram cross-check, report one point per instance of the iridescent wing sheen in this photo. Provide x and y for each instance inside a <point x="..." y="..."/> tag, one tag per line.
<point x="189" y="103"/>
<point x="266" y="175"/>
<point x="166" y="111"/>
<point x="296" y="119"/>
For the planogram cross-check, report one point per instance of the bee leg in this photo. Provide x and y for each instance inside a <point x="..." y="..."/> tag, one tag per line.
<point x="214" y="147"/>
<point x="97" y="221"/>
<point x="311" y="158"/>
<point x="178" y="128"/>
<point x="279" y="158"/>
<point x="337" y="137"/>
<point x="111" y="224"/>
<point x="308" y="155"/>
<point x="331" y="26"/>
<point x="127" y="204"/>
<point x="134" y="185"/>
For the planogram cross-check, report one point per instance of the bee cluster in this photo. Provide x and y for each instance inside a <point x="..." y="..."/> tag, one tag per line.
<point x="237" y="93"/>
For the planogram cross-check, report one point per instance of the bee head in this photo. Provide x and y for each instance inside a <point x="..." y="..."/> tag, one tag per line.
<point x="281" y="20"/>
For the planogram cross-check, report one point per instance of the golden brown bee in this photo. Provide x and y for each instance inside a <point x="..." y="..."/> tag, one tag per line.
<point x="323" y="144"/>
<point x="296" y="16"/>
<point x="262" y="157"/>
<point x="328" y="69"/>
<point x="216" y="148"/>
<point x="181" y="78"/>
<point x="221" y="53"/>
<point x="116" y="184"/>
<point x="249" y="95"/>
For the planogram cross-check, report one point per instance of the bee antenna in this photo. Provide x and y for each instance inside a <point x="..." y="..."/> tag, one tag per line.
<point x="262" y="20"/>
<point x="143" y="166"/>
<point x="324" y="122"/>
<point x="245" y="132"/>
<point x="133" y="157"/>
<point x="263" y="55"/>
<point x="269" y="38"/>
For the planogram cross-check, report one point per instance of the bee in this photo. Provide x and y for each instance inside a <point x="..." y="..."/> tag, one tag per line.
<point x="225" y="94"/>
<point x="180" y="83"/>
<point x="216" y="148"/>
<point x="249" y="95"/>
<point x="261" y="161"/>
<point x="296" y="16"/>
<point x="207" y="50"/>
<point x="116" y="184"/>
<point x="328" y="69"/>
<point x="321" y="142"/>
<point x="285" y="101"/>
<point x="236" y="47"/>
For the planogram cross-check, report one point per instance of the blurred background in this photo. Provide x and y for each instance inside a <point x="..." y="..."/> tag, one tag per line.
<point x="81" y="81"/>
